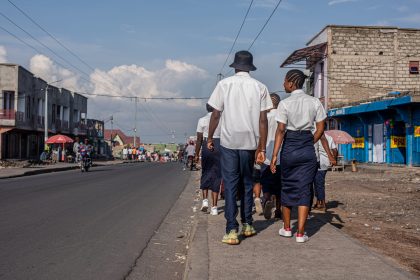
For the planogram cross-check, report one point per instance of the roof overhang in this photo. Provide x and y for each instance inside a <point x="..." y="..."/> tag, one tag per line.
<point x="373" y="106"/>
<point x="310" y="54"/>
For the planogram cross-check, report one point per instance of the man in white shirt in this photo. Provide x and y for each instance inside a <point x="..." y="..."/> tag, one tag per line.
<point x="125" y="153"/>
<point x="324" y="163"/>
<point x="244" y="102"/>
<point x="211" y="176"/>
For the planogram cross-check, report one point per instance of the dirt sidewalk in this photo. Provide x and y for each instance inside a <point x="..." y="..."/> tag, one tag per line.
<point x="380" y="209"/>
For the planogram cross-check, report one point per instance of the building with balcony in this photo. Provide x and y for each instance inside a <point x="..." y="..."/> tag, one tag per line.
<point x="22" y="113"/>
<point x="367" y="78"/>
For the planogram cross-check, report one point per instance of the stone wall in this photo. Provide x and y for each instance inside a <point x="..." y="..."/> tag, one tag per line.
<point x="369" y="62"/>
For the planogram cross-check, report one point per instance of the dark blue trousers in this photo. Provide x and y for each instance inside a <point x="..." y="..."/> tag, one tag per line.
<point x="237" y="166"/>
<point x="319" y="184"/>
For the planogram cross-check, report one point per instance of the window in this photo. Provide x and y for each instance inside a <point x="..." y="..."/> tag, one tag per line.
<point x="8" y="100"/>
<point x="28" y="107"/>
<point x="53" y="114"/>
<point x="414" y="67"/>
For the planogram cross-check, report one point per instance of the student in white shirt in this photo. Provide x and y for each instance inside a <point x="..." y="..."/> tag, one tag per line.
<point x="324" y="163"/>
<point x="244" y="102"/>
<point x="298" y="162"/>
<point x="190" y="151"/>
<point x="271" y="183"/>
<point x="211" y="176"/>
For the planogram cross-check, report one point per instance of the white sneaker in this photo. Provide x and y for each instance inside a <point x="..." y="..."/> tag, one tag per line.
<point x="214" y="211"/>
<point x="205" y="205"/>
<point x="285" y="233"/>
<point x="302" y="239"/>
<point x="258" y="206"/>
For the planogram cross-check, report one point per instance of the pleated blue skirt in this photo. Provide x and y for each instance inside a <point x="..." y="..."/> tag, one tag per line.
<point x="211" y="176"/>
<point x="298" y="165"/>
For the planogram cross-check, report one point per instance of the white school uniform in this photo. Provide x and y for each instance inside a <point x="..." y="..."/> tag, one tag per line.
<point x="323" y="159"/>
<point x="203" y="127"/>
<point x="299" y="111"/>
<point x="271" y="137"/>
<point x="241" y="99"/>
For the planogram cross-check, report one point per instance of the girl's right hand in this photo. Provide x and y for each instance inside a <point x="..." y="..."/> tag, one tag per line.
<point x="273" y="164"/>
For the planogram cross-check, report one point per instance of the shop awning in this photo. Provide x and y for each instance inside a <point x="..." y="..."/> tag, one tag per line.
<point x="310" y="54"/>
<point x="372" y="106"/>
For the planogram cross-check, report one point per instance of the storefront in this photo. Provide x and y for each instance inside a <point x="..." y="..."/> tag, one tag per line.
<point x="385" y="131"/>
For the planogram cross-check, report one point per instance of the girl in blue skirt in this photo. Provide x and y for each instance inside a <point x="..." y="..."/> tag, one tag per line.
<point x="296" y="116"/>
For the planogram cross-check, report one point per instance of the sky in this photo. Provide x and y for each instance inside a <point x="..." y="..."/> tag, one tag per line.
<point x="171" y="48"/>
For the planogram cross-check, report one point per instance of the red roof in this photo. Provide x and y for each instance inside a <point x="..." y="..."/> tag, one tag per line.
<point x="126" y="139"/>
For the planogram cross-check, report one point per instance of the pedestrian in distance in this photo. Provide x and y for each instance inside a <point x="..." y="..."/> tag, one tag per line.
<point x="211" y="176"/>
<point x="190" y="150"/>
<point x="298" y="162"/>
<point x="130" y="153"/>
<point x="240" y="103"/>
<point x="125" y="153"/>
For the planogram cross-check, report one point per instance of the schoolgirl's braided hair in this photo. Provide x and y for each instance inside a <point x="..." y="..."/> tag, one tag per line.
<point x="296" y="77"/>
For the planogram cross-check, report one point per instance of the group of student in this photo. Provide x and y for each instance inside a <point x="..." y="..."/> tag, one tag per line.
<point x="250" y="138"/>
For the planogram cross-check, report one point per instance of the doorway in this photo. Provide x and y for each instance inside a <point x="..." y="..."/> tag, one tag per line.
<point x="378" y="143"/>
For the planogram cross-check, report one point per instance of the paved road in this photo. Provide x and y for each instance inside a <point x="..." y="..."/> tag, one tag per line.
<point x="73" y="225"/>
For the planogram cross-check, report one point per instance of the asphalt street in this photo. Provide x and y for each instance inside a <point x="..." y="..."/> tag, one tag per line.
<point x="73" y="225"/>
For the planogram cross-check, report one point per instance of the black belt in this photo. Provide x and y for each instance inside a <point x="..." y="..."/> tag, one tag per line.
<point x="299" y="131"/>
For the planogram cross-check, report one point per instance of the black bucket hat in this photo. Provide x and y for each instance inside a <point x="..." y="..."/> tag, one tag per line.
<point x="243" y="61"/>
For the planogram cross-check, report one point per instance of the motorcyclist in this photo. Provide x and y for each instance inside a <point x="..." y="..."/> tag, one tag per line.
<point x="85" y="150"/>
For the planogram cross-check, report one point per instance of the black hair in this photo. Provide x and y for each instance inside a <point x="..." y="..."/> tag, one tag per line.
<point x="296" y="77"/>
<point x="275" y="98"/>
<point x="209" y="108"/>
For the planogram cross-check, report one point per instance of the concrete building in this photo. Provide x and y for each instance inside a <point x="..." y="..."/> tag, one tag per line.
<point x="22" y="113"/>
<point x="368" y="79"/>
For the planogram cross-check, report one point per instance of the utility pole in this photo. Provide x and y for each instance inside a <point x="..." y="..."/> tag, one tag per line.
<point x="135" y="120"/>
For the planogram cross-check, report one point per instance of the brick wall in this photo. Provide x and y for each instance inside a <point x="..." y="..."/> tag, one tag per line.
<point x="367" y="62"/>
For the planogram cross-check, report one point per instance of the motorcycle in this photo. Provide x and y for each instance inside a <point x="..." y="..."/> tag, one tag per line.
<point x="85" y="161"/>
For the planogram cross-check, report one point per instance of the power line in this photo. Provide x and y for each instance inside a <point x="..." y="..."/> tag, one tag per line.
<point x="261" y="30"/>
<point x="49" y="34"/>
<point x="45" y="46"/>
<point x="237" y="35"/>
<point x="265" y="24"/>
<point x="62" y="45"/>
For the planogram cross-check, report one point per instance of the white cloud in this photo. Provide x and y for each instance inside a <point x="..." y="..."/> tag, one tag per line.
<point x="413" y="18"/>
<point x="175" y="79"/>
<point x="3" y="54"/>
<point x="335" y="2"/>
<point x="43" y="67"/>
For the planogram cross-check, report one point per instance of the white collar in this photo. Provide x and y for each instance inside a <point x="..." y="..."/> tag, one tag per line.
<point x="209" y="113"/>
<point x="297" y="91"/>
<point x="243" y="74"/>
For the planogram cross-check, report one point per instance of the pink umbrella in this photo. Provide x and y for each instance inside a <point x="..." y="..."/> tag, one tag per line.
<point x="59" y="139"/>
<point x="340" y="137"/>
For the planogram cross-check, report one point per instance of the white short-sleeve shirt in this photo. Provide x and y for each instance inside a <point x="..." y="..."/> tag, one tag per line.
<point x="323" y="156"/>
<point x="271" y="137"/>
<point x="300" y="111"/>
<point x="203" y="126"/>
<point x="241" y="99"/>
